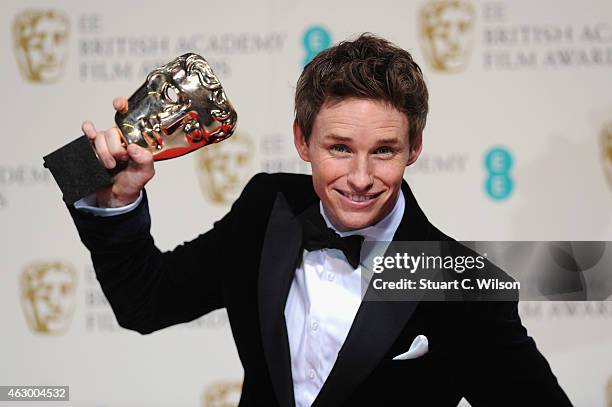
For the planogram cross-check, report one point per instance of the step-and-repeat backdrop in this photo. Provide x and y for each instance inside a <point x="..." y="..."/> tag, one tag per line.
<point x="518" y="146"/>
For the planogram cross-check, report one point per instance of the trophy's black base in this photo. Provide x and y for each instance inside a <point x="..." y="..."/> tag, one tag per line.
<point x="76" y="170"/>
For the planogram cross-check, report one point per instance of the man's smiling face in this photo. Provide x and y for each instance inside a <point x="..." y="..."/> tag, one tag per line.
<point x="358" y="150"/>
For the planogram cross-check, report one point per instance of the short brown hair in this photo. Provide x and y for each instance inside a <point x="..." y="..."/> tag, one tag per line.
<point x="369" y="67"/>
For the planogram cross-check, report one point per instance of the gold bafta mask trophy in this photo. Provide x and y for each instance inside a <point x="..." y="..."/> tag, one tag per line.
<point x="180" y="108"/>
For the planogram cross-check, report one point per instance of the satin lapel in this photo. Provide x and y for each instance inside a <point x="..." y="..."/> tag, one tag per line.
<point x="280" y="250"/>
<point x="377" y="324"/>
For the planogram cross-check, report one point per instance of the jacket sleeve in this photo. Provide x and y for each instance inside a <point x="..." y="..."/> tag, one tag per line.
<point x="504" y="368"/>
<point x="149" y="290"/>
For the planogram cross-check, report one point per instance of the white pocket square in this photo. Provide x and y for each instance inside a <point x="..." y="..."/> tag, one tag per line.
<point x="419" y="347"/>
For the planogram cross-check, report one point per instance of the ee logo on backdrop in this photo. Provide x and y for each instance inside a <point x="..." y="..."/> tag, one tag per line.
<point x="498" y="184"/>
<point x="315" y="40"/>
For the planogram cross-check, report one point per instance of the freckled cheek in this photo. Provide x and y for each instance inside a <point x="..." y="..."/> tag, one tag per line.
<point x="389" y="173"/>
<point x="329" y="171"/>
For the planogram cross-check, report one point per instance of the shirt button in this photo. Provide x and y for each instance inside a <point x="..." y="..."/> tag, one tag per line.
<point x="314" y="325"/>
<point x="330" y="277"/>
<point x="311" y="374"/>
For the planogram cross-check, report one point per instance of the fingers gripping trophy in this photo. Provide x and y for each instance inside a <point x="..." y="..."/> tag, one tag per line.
<point x="180" y="108"/>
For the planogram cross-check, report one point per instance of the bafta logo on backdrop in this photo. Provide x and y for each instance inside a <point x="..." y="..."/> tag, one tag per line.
<point x="446" y="29"/>
<point x="40" y="39"/>
<point x="222" y="394"/>
<point x="47" y="291"/>
<point x="225" y="169"/>
<point x="606" y="150"/>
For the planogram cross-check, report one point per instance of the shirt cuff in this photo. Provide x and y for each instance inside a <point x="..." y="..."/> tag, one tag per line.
<point x="89" y="205"/>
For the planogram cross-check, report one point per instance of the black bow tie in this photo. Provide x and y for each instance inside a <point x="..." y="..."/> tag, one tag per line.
<point x="316" y="235"/>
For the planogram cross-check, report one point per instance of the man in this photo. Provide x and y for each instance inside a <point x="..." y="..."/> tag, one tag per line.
<point x="303" y="335"/>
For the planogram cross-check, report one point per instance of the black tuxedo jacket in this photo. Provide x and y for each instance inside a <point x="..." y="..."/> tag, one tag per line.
<point x="246" y="263"/>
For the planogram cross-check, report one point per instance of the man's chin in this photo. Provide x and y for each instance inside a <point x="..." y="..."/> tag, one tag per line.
<point x="348" y="219"/>
<point x="351" y="223"/>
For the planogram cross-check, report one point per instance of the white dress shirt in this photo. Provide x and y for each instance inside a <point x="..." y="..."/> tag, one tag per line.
<point x="90" y="204"/>
<point x="323" y="300"/>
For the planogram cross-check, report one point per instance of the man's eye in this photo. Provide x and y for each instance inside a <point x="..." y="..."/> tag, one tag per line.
<point x="384" y="150"/>
<point x="339" y="148"/>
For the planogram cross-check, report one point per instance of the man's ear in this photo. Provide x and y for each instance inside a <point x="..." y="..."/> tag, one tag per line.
<point x="415" y="152"/>
<point x="300" y="143"/>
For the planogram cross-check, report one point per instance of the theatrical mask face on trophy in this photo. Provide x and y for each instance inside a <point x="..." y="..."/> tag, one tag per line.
<point x="180" y="108"/>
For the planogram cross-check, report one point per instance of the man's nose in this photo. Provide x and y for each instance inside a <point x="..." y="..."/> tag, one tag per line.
<point x="360" y="177"/>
